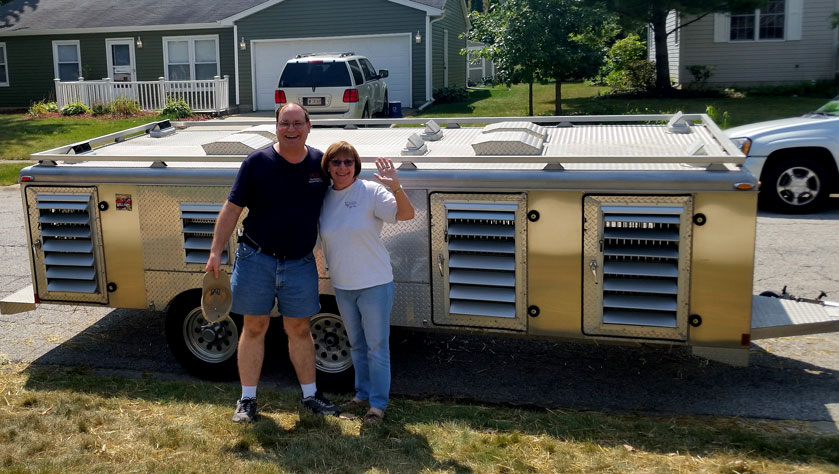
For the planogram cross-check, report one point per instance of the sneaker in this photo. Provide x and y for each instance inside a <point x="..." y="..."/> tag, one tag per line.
<point x="319" y="405"/>
<point x="245" y="410"/>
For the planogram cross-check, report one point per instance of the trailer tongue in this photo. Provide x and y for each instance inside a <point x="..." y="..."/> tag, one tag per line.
<point x="632" y="229"/>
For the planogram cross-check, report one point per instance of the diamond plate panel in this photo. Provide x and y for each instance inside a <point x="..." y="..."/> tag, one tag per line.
<point x="163" y="286"/>
<point x="411" y="305"/>
<point x="440" y="270"/>
<point x="593" y="292"/>
<point x="95" y="234"/>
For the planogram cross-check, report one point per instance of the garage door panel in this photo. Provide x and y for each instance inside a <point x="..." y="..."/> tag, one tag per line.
<point x="391" y="52"/>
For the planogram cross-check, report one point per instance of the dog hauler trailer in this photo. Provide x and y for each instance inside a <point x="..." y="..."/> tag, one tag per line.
<point x="634" y="229"/>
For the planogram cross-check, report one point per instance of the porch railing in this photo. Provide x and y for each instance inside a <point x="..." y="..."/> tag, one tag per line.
<point x="211" y="95"/>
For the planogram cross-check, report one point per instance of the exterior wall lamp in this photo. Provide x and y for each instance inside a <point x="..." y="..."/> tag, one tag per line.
<point x="139" y="42"/>
<point x="418" y="37"/>
<point x="242" y="45"/>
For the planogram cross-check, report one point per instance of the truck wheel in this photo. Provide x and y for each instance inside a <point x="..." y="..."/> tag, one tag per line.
<point x="385" y="112"/>
<point x="365" y="114"/>
<point x="205" y="351"/>
<point x="795" y="186"/>
<point x="332" y="352"/>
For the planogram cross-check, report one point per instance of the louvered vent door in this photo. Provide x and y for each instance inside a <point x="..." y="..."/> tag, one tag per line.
<point x="479" y="260"/>
<point x="66" y="245"/>
<point x="198" y="222"/>
<point x="636" y="266"/>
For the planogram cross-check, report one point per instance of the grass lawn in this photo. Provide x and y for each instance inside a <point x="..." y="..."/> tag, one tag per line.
<point x="67" y="420"/>
<point x="8" y="172"/>
<point x="579" y="99"/>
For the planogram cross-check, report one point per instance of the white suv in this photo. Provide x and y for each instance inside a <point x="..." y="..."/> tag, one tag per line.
<point x="333" y="85"/>
<point x="796" y="158"/>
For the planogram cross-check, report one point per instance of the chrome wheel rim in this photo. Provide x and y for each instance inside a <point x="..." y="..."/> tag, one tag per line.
<point x="213" y="343"/>
<point x="332" y="345"/>
<point x="798" y="186"/>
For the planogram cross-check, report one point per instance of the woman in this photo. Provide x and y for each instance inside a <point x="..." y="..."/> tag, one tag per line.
<point x="351" y="221"/>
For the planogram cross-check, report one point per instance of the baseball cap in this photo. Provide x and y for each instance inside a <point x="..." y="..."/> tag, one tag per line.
<point x="216" y="297"/>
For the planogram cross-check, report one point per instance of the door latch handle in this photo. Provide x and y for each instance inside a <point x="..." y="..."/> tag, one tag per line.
<point x="593" y="266"/>
<point x="440" y="263"/>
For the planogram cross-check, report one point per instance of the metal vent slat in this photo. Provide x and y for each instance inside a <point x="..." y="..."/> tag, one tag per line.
<point x="641" y="285"/>
<point x="198" y="228"/>
<point x="199" y="215"/>
<point x="474" y="308"/>
<point x="71" y="273"/>
<point x="65" y="231"/>
<point x="482" y="230"/>
<point x="73" y="259"/>
<point x="67" y="245"/>
<point x="649" y="269"/>
<point x="75" y="286"/>
<point x="199" y="207"/>
<point x="650" y="302"/>
<point x="65" y="206"/>
<point x="645" y="210"/>
<point x="201" y="256"/>
<point x="482" y="215"/>
<point x="641" y="234"/>
<point x="198" y="243"/>
<point x="639" y="318"/>
<point x="482" y="206"/>
<point x="633" y="251"/>
<point x="198" y="223"/>
<point x="476" y="277"/>
<point x="474" y="245"/>
<point x="483" y="262"/>
<point x="657" y="219"/>
<point x="64" y="197"/>
<point x="64" y="218"/>
<point x="482" y="293"/>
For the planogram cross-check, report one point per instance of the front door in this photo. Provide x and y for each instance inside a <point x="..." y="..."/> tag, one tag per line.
<point x="121" y="59"/>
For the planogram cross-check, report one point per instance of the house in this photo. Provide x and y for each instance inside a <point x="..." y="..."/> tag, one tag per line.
<point x="418" y="41"/>
<point x="786" y="41"/>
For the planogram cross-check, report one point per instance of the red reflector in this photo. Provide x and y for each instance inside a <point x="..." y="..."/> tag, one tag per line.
<point x="351" y="95"/>
<point x="26" y="179"/>
<point x="279" y="97"/>
<point x="37" y="300"/>
<point x="745" y="339"/>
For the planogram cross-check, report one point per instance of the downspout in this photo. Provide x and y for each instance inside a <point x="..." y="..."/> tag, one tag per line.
<point x="428" y="62"/>
<point x="836" y="45"/>
<point x="236" y="62"/>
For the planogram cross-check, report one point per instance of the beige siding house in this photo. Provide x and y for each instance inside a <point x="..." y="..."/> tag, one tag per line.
<point x="787" y="41"/>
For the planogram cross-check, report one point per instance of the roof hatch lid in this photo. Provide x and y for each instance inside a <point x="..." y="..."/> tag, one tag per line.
<point x="236" y="144"/>
<point x="507" y="143"/>
<point x="268" y="131"/>
<point x="531" y="128"/>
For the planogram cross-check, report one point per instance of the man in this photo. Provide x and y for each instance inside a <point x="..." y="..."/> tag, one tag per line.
<point x="283" y="187"/>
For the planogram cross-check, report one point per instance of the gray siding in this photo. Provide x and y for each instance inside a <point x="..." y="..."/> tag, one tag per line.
<point x="455" y="23"/>
<point x="31" y="63"/>
<point x="813" y="57"/>
<point x="325" y="18"/>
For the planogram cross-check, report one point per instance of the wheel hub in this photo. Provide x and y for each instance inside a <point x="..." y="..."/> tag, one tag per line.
<point x="213" y="343"/>
<point x="798" y="186"/>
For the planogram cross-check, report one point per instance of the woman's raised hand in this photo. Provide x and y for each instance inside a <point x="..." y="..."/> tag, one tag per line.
<point x="387" y="174"/>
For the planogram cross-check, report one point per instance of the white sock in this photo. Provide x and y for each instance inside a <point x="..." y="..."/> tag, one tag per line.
<point x="309" y="389"/>
<point x="248" y="391"/>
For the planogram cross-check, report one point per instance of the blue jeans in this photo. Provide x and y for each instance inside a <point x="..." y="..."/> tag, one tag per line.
<point x="366" y="315"/>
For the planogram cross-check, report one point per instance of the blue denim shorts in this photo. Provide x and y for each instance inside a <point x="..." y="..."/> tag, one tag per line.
<point x="259" y="280"/>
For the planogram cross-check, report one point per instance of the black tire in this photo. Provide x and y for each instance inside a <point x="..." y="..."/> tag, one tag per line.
<point x="795" y="185"/>
<point x="189" y="341"/>
<point x="333" y="363"/>
<point x="365" y="114"/>
<point x="385" y="107"/>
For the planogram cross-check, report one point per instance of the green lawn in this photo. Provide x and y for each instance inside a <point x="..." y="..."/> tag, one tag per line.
<point x="582" y="99"/>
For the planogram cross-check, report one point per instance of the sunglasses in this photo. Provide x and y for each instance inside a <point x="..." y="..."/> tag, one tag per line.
<point x="337" y="163"/>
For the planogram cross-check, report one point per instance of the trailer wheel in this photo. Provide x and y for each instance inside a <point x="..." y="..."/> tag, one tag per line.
<point x="205" y="351"/>
<point x="332" y="350"/>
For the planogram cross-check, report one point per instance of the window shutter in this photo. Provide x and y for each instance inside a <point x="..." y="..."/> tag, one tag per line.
<point x="721" y="27"/>
<point x="793" y="26"/>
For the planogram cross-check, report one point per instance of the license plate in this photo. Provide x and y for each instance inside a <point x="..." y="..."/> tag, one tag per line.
<point x="314" y="101"/>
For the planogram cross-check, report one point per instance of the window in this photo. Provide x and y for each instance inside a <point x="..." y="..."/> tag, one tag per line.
<point x="356" y="72"/>
<point x="367" y="68"/>
<point x="191" y="58"/>
<point x="4" y="70"/>
<point x="765" y="23"/>
<point x="67" y="60"/>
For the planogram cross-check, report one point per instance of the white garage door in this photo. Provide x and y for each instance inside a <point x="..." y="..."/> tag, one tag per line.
<point x="391" y="52"/>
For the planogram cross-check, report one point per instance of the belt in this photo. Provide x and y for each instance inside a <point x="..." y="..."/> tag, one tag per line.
<point x="278" y="255"/>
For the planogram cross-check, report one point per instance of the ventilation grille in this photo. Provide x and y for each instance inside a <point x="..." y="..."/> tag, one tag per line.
<point x="67" y="242"/>
<point x="199" y="220"/>
<point x="482" y="263"/>
<point x="641" y="265"/>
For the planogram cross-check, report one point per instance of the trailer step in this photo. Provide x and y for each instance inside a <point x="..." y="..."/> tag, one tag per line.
<point x="777" y="317"/>
<point x="18" y="302"/>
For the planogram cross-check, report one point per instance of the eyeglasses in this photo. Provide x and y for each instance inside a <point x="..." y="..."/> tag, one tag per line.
<point x="298" y="124"/>
<point x="337" y="163"/>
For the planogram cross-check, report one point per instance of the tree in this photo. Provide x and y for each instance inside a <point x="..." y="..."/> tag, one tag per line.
<point x="541" y="40"/>
<point x="654" y="13"/>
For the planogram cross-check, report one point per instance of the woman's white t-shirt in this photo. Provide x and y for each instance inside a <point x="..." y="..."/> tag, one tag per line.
<point x="351" y="223"/>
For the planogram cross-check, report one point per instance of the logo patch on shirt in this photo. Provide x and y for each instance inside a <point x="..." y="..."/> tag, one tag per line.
<point x="350" y="204"/>
<point x="315" y="178"/>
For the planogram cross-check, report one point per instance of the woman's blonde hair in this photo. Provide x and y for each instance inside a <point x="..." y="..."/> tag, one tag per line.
<point x="340" y="148"/>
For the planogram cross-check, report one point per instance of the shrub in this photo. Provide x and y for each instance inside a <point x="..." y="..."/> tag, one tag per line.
<point x="620" y="55"/>
<point x="447" y="95"/>
<point x="75" y="108"/>
<point x="43" y="107"/>
<point x="125" y="107"/>
<point x="101" y="109"/>
<point x="176" y="108"/>
<point x="638" y="75"/>
<point x="722" y="119"/>
<point x="701" y="73"/>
